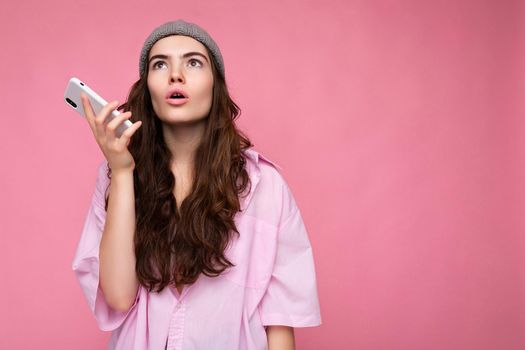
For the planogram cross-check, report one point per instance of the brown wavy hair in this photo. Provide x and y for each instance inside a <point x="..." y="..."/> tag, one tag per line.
<point x="173" y="246"/>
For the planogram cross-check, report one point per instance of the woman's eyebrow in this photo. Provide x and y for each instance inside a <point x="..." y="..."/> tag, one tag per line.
<point x="187" y="54"/>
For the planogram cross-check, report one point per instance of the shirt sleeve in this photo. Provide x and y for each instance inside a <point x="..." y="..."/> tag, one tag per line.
<point x="291" y="296"/>
<point x="86" y="261"/>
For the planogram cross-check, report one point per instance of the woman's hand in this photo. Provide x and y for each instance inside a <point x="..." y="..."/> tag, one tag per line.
<point x="115" y="149"/>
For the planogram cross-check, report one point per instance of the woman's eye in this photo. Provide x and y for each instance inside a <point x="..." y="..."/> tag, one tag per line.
<point x="156" y="64"/>
<point x="194" y="60"/>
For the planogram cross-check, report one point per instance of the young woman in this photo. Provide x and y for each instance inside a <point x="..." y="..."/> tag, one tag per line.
<point x="193" y="239"/>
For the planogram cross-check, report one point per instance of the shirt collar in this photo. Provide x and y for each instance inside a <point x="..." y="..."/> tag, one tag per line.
<point x="253" y="167"/>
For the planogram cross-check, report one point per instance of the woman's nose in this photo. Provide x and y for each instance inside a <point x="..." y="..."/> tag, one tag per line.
<point x="176" y="75"/>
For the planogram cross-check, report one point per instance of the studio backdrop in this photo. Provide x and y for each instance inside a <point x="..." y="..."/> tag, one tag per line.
<point x="398" y="125"/>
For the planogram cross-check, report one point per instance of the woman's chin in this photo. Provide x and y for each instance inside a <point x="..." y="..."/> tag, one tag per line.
<point x="183" y="120"/>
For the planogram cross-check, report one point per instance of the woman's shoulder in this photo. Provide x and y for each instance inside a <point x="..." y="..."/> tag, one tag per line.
<point x="264" y="172"/>
<point x="261" y="163"/>
<point x="271" y="195"/>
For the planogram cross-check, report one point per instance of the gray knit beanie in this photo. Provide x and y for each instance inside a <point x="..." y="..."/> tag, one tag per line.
<point x="180" y="27"/>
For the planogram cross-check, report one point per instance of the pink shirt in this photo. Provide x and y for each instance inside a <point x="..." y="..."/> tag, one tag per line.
<point x="273" y="282"/>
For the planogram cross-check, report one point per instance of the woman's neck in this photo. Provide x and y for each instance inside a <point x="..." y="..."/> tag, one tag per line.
<point x="182" y="140"/>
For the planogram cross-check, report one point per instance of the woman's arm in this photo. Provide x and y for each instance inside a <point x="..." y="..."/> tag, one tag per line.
<point x="280" y="338"/>
<point x="118" y="279"/>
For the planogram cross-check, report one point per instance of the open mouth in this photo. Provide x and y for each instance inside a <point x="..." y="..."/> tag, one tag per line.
<point x="177" y="96"/>
<point x="177" y="101"/>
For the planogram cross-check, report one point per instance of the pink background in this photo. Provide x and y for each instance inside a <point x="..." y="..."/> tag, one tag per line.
<point x="399" y="125"/>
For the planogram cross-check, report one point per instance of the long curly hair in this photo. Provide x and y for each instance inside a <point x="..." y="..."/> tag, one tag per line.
<point x="172" y="246"/>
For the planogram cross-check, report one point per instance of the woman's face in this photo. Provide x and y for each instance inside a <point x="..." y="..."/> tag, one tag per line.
<point x="180" y="62"/>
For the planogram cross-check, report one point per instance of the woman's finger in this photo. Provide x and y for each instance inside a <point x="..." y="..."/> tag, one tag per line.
<point x="113" y="125"/>
<point x="88" y="111"/>
<point x="126" y="135"/>
<point x="102" y="116"/>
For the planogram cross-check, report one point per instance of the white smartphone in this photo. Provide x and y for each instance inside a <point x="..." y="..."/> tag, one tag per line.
<point x="72" y="97"/>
